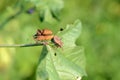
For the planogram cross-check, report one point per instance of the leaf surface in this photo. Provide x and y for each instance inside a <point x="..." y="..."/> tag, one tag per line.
<point x="67" y="63"/>
<point x="48" y="9"/>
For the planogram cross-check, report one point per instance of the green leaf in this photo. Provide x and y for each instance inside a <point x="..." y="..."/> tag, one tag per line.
<point x="46" y="69"/>
<point x="67" y="63"/>
<point x="48" y="9"/>
<point x="58" y="4"/>
<point x="70" y="34"/>
<point x="42" y="73"/>
<point x="66" y="66"/>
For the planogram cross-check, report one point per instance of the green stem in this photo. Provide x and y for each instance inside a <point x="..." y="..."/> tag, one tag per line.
<point x="21" y="45"/>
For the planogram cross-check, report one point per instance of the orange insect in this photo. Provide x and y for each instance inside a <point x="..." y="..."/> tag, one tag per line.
<point x="57" y="41"/>
<point x="47" y="34"/>
<point x="42" y="35"/>
<point x="44" y="32"/>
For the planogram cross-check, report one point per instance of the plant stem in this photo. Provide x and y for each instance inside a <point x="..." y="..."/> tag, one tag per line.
<point x="21" y="45"/>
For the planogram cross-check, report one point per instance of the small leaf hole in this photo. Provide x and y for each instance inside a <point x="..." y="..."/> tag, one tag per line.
<point x="55" y="54"/>
<point x="61" y="29"/>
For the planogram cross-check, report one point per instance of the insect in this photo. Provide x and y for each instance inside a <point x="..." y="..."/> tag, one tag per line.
<point x="46" y="34"/>
<point x="57" y="41"/>
<point x="42" y="35"/>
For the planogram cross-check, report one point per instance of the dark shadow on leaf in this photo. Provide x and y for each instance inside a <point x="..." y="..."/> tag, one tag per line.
<point x="43" y="54"/>
<point x="42" y="16"/>
<point x="42" y="74"/>
<point x="54" y="15"/>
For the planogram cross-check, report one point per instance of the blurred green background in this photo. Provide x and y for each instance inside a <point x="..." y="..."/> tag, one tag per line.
<point x="100" y="37"/>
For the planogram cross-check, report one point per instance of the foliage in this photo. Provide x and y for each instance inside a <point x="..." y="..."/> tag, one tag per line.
<point x="100" y="37"/>
<point x="46" y="9"/>
<point x="66" y="64"/>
